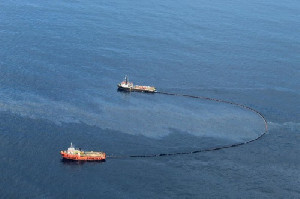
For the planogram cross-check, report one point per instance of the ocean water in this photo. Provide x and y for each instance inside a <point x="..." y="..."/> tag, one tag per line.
<point x="60" y="62"/>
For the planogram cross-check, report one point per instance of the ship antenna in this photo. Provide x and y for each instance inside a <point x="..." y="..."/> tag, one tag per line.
<point x="71" y="145"/>
<point x="126" y="79"/>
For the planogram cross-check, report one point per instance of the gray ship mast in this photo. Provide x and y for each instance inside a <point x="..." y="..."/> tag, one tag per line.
<point x="126" y="79"/>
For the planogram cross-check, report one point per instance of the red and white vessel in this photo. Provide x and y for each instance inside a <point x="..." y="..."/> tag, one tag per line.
<point x="78" y="154"/>
<point x="129" y="87"/>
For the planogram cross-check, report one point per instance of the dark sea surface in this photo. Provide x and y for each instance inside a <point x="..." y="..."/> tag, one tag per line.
<point x="60" y="62"/>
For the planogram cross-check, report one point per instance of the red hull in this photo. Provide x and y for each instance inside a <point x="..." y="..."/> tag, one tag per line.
<point x="65" y="155"/>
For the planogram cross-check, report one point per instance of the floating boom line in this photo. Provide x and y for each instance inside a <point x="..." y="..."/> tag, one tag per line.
<point x="207" y="149"/>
